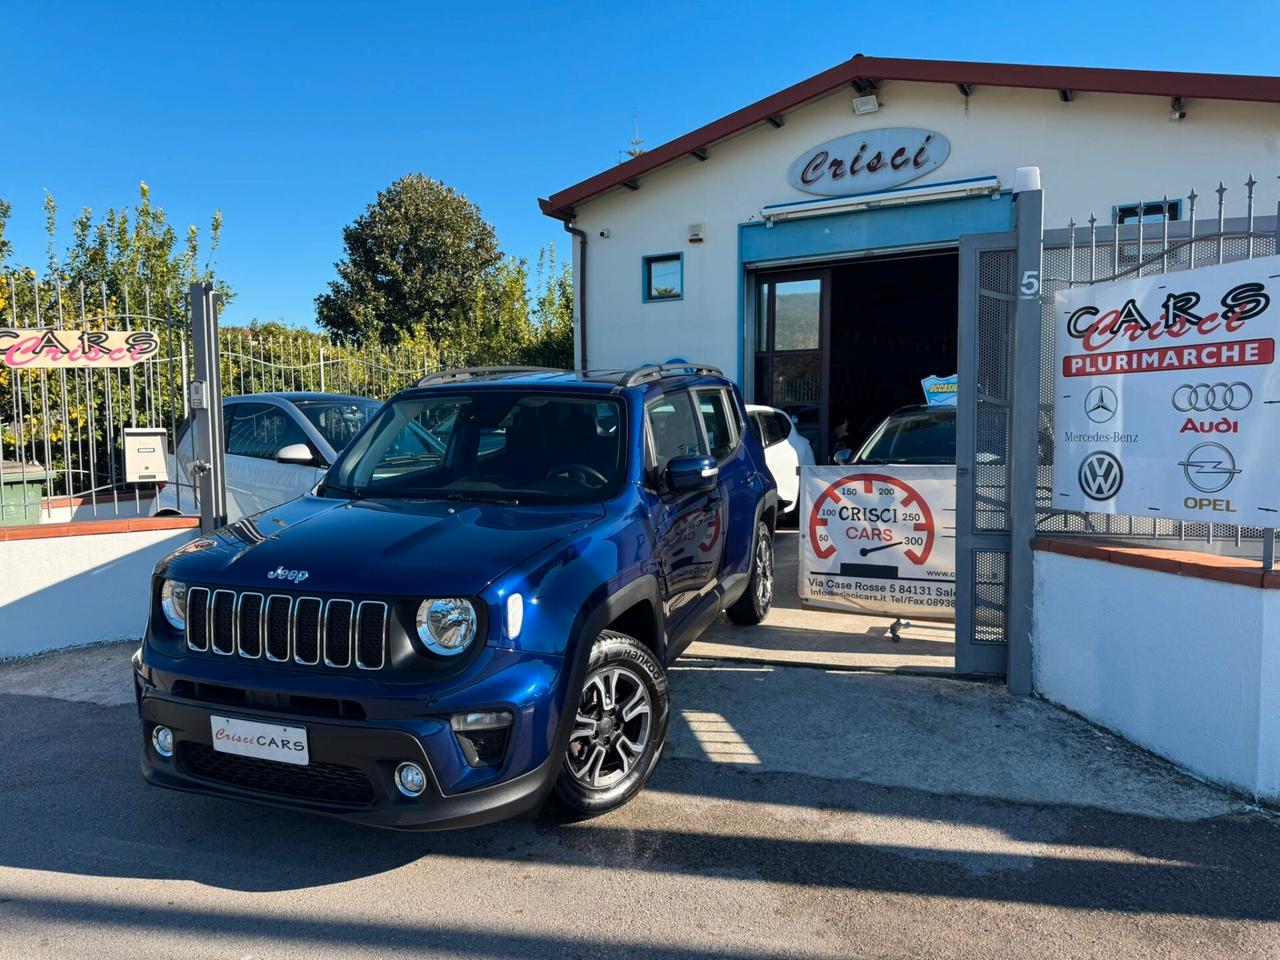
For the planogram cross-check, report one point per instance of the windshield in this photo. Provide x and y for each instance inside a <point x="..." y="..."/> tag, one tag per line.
<point x="338" y="420"/>
<point x="493" y="445"/>
<point x="918" y="436"/>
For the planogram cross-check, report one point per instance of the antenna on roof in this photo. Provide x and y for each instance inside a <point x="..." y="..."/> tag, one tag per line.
<point x="637" y="144"/>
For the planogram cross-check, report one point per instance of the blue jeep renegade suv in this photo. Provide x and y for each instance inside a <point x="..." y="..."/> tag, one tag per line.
<point x="474" y="608"/>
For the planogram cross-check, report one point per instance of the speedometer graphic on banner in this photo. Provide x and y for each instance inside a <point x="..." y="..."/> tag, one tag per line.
<point x="872" y="515"/>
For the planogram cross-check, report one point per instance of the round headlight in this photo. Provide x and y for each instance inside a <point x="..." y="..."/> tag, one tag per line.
<point x="447" y="625"/>
<point x="173" y="602"/>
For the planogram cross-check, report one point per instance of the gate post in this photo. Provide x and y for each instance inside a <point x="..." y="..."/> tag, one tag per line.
<point x="1024" y="427"/>
<point x="206" y="407"/>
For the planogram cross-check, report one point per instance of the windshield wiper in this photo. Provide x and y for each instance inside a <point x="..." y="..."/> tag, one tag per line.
<point x="344" y="491"/>
<point x="458" y="496"/>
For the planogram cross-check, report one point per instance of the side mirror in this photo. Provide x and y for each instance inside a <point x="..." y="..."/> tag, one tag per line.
<point x="296" y="453"/>
<point x="687" y="474"/>
<point x="843" y="456"/>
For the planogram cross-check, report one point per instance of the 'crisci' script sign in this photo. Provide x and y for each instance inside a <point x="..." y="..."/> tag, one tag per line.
<point x="44" y="348"/>
<point x="868" y="161"/>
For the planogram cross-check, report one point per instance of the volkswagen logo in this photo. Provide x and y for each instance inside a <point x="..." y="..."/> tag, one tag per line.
<point x="1100" y="404"/>
<point x="1209" y="467"/>
<point x="1203" y="397"/>
<point x="1100" y="475"/>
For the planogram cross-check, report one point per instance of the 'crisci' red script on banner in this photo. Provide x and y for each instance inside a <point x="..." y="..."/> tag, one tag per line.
<point x="1233" y="353"/>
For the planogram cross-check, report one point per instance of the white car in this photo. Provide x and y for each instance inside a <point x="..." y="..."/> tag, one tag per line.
<point x="785" y="451"/>
<point x="278" y="445"/>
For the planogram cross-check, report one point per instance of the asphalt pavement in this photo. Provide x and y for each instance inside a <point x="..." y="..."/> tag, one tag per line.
<point x="797" y="813"/>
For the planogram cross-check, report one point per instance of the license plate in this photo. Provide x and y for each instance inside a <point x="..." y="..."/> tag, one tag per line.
<point x="267" y="741"/>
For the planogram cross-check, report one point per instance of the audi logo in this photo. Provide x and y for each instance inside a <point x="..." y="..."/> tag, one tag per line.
<point x="1203" y="397"/>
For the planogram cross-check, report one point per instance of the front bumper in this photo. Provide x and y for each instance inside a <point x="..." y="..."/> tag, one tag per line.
<point x="350" y="757"/>
<point x="352" y="761"/>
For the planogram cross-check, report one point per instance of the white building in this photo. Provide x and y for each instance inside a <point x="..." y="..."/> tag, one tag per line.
<point x="808" y="243"/>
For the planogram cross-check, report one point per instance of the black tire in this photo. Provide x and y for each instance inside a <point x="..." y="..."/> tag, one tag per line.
<point x="753" y="606"/>
<point x="635" y="672"/>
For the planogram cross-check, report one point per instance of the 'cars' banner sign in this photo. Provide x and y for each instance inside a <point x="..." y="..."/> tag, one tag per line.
<point x="1168" y="397"/>
<point x="44" y="348"/>
<point x="879" y="539"/>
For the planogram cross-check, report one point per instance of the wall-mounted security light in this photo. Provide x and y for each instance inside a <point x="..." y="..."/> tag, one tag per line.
<point x="868" y="104"/>
<point x="1177" y="110"/>
<point x="697" y="231"/>
<point x="604" y="234"/>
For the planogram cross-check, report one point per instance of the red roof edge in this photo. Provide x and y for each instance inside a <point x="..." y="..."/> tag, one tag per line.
<point x="1155" y="83"/>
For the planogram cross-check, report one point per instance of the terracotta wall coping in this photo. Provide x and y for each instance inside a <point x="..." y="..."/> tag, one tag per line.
<point x="1182" y="563"/>
<point x="83" y="528"/>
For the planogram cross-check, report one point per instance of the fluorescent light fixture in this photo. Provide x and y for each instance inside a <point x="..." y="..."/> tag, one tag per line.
<point x="951" y="190"/>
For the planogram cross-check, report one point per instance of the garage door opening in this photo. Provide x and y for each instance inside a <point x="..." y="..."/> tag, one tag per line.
<point x="840" y="346"/>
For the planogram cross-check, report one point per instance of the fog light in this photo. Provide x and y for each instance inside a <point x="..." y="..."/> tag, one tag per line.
<point x="410" y="779"/>
<point x="162" y="740"/>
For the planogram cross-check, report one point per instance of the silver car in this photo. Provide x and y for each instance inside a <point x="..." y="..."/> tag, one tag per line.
<point x="278" y="445"/>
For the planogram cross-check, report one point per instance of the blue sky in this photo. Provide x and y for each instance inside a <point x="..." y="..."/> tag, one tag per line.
<point x="290" y="116"/>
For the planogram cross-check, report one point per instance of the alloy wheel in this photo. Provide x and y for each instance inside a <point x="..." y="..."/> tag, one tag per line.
<point x="611" y="728"/>
<point x="764" y="571"/>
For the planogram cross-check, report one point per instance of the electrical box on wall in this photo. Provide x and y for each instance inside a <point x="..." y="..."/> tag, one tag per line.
<point x="696" y="232"/>
<point x="146" y="452"/>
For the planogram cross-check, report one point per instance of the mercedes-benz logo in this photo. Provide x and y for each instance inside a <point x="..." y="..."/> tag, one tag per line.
<point x="1100" y="475"/>
<point x="1203" y="397"/>
<point x="1100" y="404"/>
<point x="1209" y="467"/>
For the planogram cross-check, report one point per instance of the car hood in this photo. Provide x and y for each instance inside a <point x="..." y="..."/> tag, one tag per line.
<point x="376" y="547"/>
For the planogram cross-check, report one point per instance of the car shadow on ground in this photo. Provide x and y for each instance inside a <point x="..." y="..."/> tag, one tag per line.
<point x="75" y="803"/>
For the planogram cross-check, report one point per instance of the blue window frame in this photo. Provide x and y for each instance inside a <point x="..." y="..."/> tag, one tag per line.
<point x="663" y="277"/>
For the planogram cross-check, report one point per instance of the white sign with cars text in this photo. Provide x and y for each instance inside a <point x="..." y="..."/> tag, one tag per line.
<point x="879" y="539"/>
<point x="1168" y="396"/>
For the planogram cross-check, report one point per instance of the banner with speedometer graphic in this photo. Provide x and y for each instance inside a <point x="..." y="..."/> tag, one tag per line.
<point x="879" y="539"/>
<point x="1167" y="395"/>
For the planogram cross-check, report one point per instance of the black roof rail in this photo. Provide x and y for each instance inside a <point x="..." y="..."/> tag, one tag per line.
<point x="474" y="373"/>
<point x="656" y="371"/>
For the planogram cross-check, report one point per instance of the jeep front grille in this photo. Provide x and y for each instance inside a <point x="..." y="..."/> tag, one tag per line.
<point x="304" y="630"/>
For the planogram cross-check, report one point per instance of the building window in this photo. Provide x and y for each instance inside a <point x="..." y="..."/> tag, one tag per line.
<point x="1152" y="211"/>
<point x="664" y="277"/>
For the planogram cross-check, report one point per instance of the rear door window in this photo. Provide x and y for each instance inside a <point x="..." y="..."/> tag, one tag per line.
<point x="718" y="421"/>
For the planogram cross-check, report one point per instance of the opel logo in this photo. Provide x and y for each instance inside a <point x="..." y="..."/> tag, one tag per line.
<point x="1100" y="404"/>
<point x="1100" y="475"/>
<point x="1209" y="467"/>
<point x="1203" y="397"/>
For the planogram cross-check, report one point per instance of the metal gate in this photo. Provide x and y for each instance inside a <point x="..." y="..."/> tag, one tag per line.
<point x="984" y="344"/>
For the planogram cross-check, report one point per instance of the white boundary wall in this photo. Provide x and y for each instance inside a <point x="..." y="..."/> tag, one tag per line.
<point x="1186" y="667"/>
<point x="68" y="591"/>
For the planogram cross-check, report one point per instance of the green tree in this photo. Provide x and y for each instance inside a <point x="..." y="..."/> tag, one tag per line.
<point x="552" y="311"/>
<point x="128" y="251"/>
<point x="417" y="263"/>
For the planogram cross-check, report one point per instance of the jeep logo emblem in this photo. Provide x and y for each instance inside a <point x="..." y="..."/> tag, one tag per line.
<point x="293" y="576"/>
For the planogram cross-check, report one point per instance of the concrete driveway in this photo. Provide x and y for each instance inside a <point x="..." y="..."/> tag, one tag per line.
<point x="796" y="813"/>
<point x="790" y="634"/>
